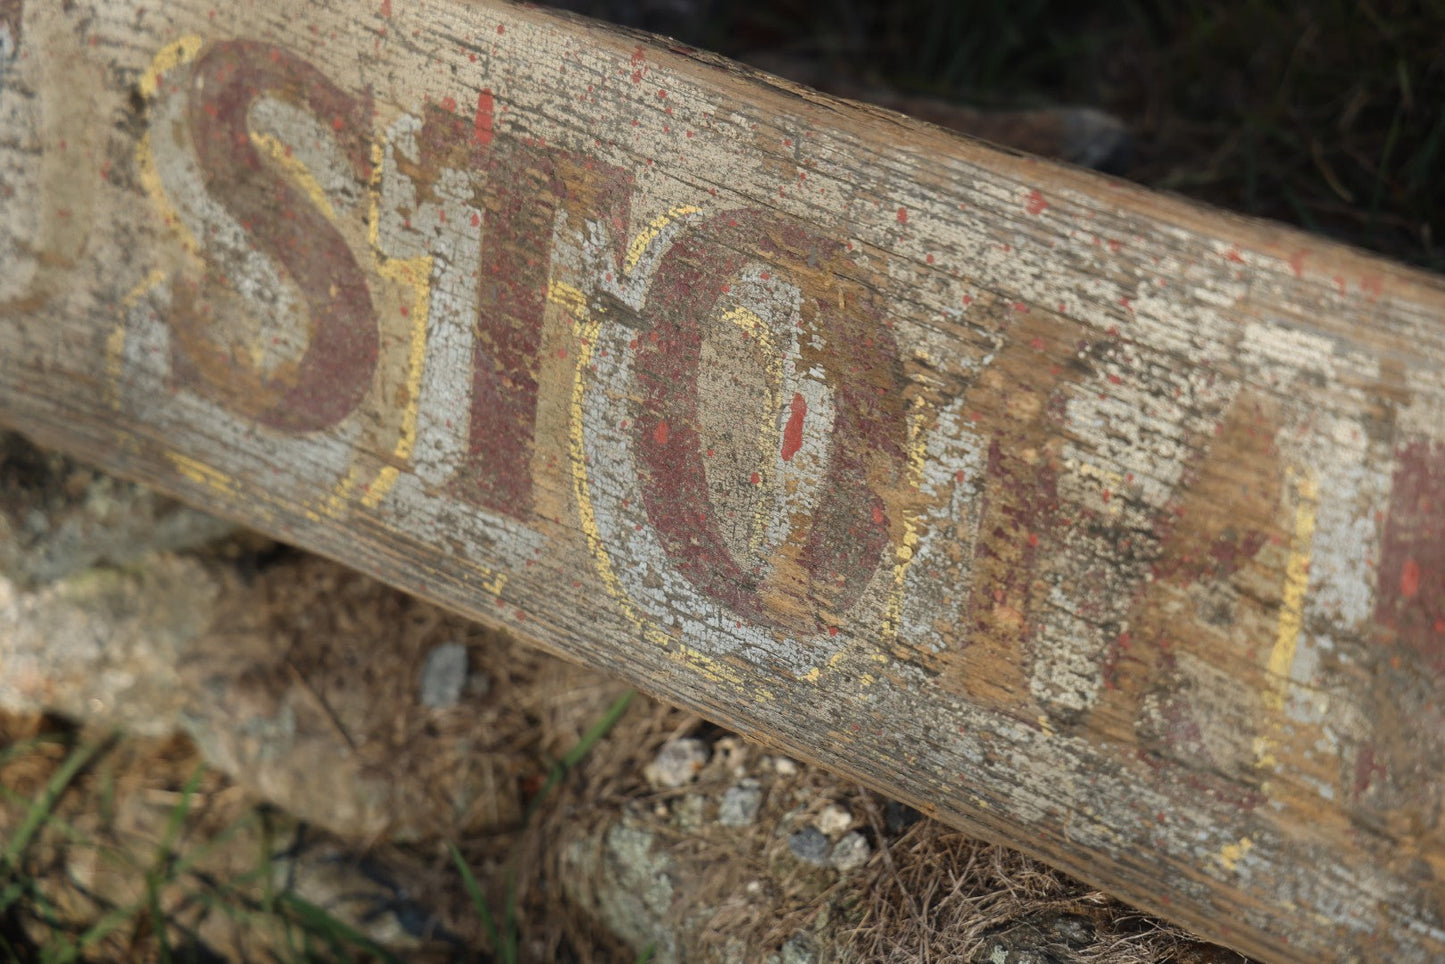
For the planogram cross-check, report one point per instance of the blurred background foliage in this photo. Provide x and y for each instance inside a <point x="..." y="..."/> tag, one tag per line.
<point x="1328" y="114"/>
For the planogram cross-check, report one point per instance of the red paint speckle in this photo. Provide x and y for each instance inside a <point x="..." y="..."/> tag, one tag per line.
<point x="386" y="8"/>
<point x="638" y="56"/>
<point x="476" y="220"/>
<point x="1372" y="285"/>
<point x="1115" y="245"/>
<point x="482" y="125"/>
<point x="501" y="29"/>
<point x="878" y="516"/>
<point x="902" y="215"/>
<point x="1233" y="255"/>
<point x="793" y="431"/>
<point x="1409" y="579"/>
<point x="637" y="76"/>
<point x="755" y="479"/>
<point x="659" y="434"/>
<point x="1036" y="203"/>
<point x="832" y="630"/>
<point x="449" y="104"/>
<point x="1297" y="264"/>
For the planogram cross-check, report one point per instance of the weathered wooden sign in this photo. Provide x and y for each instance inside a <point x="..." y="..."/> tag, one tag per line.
<point x="1080" y="517"/>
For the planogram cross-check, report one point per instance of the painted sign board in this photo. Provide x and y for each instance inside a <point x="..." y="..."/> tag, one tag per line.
<point x="1078" y="516"/>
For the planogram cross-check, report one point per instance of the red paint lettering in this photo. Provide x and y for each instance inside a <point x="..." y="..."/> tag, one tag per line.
<point x="843" y="548"/>
<point x="793" y="432"/>
<point x="333" y="374"/>
<point x="1411" y="590"/>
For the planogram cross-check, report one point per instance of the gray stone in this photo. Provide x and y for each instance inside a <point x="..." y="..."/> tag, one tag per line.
<point x="677" y="764"/>
<point x="59" y="518"/>
<point x="799" y="950"/>
<point x="444" y="676"/>
<point x="810" y="845"/>
<point x="851" y="852"/>
<point x="739" y="807"/>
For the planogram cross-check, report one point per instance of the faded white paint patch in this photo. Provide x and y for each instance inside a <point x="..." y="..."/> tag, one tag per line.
<point x="938" y="581"/>
<point x="1280" y="355"/>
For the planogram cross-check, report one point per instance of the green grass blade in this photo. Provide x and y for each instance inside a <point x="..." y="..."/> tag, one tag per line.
<point x="512" y="932"/>
<point x="579" y="752"/>
<point x="598" y="730"/>
<point x="489" y="923"/>
<point x="337" y="933"/>
<point x="41" y="809"/>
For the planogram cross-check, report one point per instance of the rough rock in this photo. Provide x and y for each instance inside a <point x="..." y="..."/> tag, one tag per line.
<point x="677" y="764"/>
<point x="834" y="819"/>
<point x="851" y="852"/>
<point x="739" y="806"/>
<point x="58" y="517"/>
<point x="810" y="845"/>
<point x="444" y="676"/>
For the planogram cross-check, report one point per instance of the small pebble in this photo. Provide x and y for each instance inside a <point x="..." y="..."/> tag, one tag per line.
<point x="443" y="676"/>
<point x="677" y="764"/>
<point x="740" y="803"/>
<point x="785" y="767"/>
<point x="688" y="814"/>
<point x="851" y="852"/>
<point x="834" y="820"/>
<point x="810" y="846"/>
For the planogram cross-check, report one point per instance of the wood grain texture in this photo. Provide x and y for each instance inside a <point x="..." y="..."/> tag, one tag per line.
<point x="1081" y="517"/>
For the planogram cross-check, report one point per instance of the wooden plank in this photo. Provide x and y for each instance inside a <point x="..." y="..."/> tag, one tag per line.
<point x="1079" y="516"/>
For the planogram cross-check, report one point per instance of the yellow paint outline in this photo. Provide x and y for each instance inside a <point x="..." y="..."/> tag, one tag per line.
<point x="1296" y="586"/>
<point x="286" y="159"/>
<point x="637" y="247"/>
<point x="168" y="58"/>
<point x="203" y="474"/>
<point x="1230" y="855"/>
<point x="413" y="273"/>
<point x="586" y="329"/>
<point x="908" y="547"/>
<point x="1291" y="611"/>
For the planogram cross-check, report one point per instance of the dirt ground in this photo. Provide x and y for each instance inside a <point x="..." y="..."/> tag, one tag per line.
<point x="306" y="692"/>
